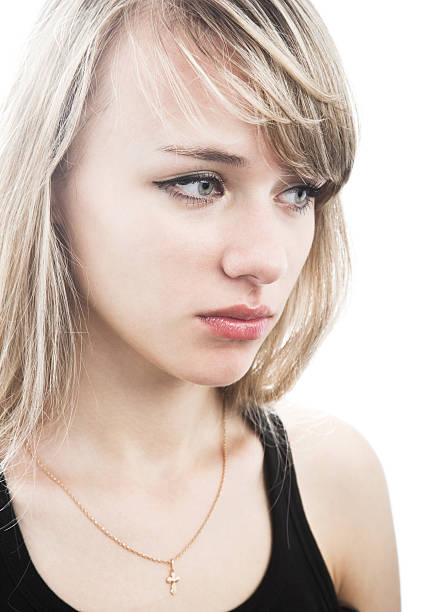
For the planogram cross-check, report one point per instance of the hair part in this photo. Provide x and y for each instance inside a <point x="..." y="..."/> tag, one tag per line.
<point x="272" y="64"/>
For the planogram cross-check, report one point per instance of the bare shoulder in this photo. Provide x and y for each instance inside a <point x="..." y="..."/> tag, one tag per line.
<point x="346" y="501"/>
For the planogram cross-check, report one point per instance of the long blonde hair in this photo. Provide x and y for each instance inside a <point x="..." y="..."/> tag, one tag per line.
<point x="282" y="74"/>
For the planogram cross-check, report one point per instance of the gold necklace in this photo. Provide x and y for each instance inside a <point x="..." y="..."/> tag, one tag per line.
<point x="171" y="579"/>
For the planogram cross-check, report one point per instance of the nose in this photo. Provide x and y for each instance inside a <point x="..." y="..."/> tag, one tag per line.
<point x="256" y="247"/>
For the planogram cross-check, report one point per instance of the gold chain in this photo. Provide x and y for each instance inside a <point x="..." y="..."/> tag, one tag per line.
<point x="172" y="579"/>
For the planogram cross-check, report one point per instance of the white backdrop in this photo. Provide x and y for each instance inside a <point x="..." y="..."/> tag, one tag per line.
<point x="370" y="369"/>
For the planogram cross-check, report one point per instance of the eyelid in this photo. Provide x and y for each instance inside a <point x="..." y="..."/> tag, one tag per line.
<point x="311" y="189"/>
<point x="198" y="174"/>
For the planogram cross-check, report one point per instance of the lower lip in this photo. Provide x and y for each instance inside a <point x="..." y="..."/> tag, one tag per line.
<point x="236" y="329"/>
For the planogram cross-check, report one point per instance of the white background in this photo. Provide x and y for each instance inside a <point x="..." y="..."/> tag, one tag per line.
<point x="370" y="370"/>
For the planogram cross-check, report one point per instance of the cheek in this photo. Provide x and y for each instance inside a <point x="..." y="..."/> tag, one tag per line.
<point x="308" y="238"/>
<point x="132" y="265"/>
<point x="299" y="244"/>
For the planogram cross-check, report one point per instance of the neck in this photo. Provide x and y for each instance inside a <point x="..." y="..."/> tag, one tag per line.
<point x="132" y="420"/>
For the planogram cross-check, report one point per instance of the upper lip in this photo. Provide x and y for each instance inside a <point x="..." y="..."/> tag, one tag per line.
<point x="241" y="311"/>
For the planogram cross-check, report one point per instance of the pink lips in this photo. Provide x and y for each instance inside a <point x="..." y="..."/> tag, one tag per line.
<point x="238" y="322"/>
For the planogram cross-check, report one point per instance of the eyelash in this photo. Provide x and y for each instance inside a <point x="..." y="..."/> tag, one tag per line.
<point x="312" y="191"/>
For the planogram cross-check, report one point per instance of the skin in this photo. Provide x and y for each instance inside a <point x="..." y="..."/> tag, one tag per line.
<point x="148" y="415"/>
<point x="149" y="263"/>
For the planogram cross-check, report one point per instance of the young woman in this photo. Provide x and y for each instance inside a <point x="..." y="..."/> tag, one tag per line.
<point x="172" y="253"/>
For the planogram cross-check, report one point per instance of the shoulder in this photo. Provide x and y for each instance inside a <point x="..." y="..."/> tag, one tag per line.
<point x="346" y="501"/>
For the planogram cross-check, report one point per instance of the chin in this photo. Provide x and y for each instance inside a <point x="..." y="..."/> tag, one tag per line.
<point x="218" y="376"/>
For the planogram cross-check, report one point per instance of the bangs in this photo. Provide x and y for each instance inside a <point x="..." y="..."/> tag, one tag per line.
<point x="271" y="64"/>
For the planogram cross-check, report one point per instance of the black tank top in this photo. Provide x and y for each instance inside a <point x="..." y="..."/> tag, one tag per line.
<point x="296" y="578"/>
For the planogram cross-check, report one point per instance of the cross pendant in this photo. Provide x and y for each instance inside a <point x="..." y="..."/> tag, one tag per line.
<point x="172" y="579"/>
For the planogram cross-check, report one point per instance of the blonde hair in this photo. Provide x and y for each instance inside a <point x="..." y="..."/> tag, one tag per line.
<point x="282" y="74"/>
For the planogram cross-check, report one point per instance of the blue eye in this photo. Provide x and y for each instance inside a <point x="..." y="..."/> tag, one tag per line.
<point x="199" y="189"/>
<point x="301" y="197"/>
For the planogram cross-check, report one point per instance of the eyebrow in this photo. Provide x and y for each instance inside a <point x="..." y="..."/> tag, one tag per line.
<point x="207" y="154"/>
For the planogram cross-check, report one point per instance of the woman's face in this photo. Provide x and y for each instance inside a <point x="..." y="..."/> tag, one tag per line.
<point x="157" y="250"/>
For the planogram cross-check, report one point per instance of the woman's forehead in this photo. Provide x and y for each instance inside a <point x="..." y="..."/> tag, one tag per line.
<point x="135" y="95"/>
<point x="140" y="69"/>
